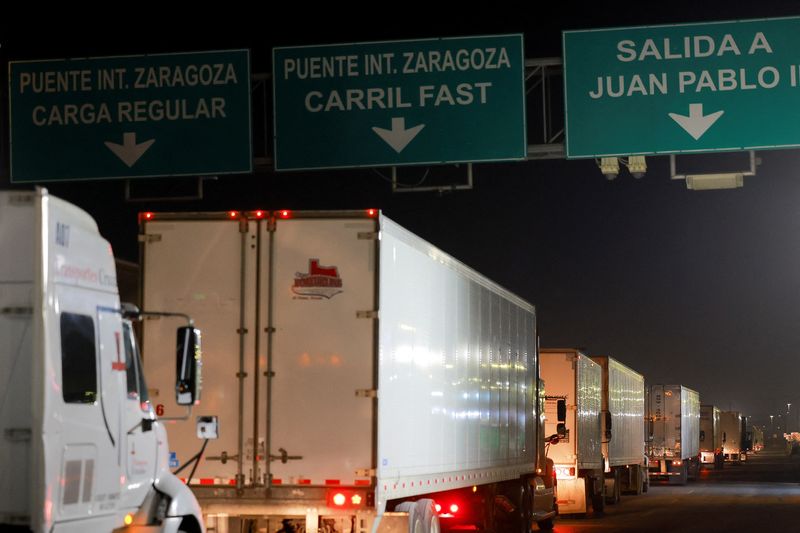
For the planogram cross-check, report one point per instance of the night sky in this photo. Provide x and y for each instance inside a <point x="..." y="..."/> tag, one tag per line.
<point x="697" y="288"/>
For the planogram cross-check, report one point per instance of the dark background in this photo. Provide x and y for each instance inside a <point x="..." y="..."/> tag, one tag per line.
<point x="698" y="288"/>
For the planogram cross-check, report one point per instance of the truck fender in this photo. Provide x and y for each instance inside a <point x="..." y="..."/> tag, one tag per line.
<point x="182" y="500"/>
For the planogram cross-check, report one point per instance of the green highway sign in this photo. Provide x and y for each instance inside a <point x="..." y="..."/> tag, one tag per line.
<point x="400" y="103"/>
<point x="686" y="88"/>
<point x="131" y="116"/>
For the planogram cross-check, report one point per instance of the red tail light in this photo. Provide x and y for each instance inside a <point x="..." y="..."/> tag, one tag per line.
<point x="147" y="216"/>
<point x="372" y="212"/>
<point x="437" y="507"/>
<point x="233" y="214"/>
<point x="345" y="498"/>
<point x="453" y="508"/>
<point x="285" y="213"/>
<point x="259" y="214"/>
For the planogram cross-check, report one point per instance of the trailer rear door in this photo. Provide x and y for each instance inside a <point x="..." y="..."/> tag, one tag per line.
<point x="324" y="278"/>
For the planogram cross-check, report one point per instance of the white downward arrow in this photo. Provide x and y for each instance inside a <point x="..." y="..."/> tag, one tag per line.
<point x="696" y="124"/>
<point x="129" y="151"/>
<point x="398" y="137"/>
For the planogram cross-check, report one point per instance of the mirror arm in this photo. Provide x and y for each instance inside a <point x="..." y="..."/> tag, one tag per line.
<point x="186" y="317"/>
<point x="178" y="418"/>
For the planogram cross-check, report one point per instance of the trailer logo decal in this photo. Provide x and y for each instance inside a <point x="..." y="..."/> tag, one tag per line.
<point x="320" y="281"/>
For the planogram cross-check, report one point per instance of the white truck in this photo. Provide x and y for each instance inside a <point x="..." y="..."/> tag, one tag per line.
<point x="574" y="400"/>
<point x="756" y="439"/>
<point x="674" y="433"/>
<point x="710" y="436"/>
<point x="623" y="429"/>
<point x="80" y="447"/>
<point x="363" y="379"/>
<point x="732" y="437"/>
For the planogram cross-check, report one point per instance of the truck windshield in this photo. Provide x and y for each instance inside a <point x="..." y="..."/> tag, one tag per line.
<point x="137" y="389"/>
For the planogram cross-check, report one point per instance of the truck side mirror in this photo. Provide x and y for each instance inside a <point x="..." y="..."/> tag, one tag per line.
<point x="561" y="430"/>
<point x="561" y="408"/>
<point x="189" y="362"/>
<point x="608" y="424"/>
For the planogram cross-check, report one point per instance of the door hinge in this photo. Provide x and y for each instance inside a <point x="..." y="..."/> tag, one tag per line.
<point x="150" y="237"/>
<point x="368" y="235"/>
<point x="19" y="311"/>
<point x="366" y="314"/>
<point x="18" y="434"/>
<point x="365" y="472"/>
<point x="366" y="393"/>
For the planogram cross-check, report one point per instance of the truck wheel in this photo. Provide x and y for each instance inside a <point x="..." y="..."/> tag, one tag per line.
<point x="546" y="525"/>
<point x="612" y="496"/>
<point x="598" y="498"/>
<point x="430" y="520"/>
<point x="414" y="519"/>
<point x="641" y="477"/>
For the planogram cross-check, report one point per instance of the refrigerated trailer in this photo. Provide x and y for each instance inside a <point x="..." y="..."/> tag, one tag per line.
<point x="623" y="429"/>
<point x="732" y="426"/>
<point x="575" y="381"/>
<point x="360" y="376"/>
<point x="710" y="436"/>
<point x="674" y="433"/>
<point x="80" y="447"/>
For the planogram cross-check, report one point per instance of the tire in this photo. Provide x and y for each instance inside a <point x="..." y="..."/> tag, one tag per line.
<point x="429" y="517"/>
<point x="641" y="480"/>
<point x="521" y="520"/>
<point x="414" y="519"/>
<point x="598" y="499"/>
<point x="546" y="525"/>
<point x="613" y="498"/>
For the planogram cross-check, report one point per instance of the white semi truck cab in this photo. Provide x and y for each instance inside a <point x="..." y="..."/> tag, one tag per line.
<point x="80" y="446"/>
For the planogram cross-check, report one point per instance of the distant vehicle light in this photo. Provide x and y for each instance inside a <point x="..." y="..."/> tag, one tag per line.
<point x="454" y="508"/>
<point x="437" y="507"/>
<point x="355" y="499"/>
<point x="147" y="216"/>
<point x="233" y="214"/>
<point x="285" y="213"/>
<point x="677" y="462"/>
<point x="339" y="498"/>
<point x="259" y="214"/>
<point x="372" y="212"/>
<point x="128" y="519"/>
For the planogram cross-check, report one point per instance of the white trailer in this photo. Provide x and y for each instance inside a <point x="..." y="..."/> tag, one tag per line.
<point x="575" y="381"/>
<point x="710" y="436"/>
<point x="80" y="448"/>
<point x="674" y="444"/>
<point x="360" y="375"/>
<point x="732" y="437"/>
<point x="623" y="429"/>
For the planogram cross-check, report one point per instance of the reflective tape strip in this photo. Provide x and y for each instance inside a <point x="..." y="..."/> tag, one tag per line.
<point x="333" y="482"/>
<point x="277" y="481"/>
<point x="363" y="482"/>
